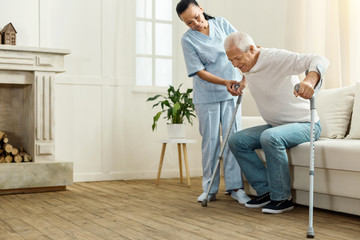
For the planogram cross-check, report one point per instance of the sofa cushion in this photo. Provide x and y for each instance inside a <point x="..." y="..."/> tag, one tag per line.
<point x="334" y="107"/>
<point x="340" y="154"/>
<point x="355" y="119"/>
<point x="251" y="121"/>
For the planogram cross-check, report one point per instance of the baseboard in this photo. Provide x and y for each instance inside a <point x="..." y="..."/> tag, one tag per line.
<point x="134" y="175"/>
<point x="32" y="190"/>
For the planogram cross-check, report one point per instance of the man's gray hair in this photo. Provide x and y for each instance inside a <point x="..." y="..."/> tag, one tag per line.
<point x="239" y="39"/>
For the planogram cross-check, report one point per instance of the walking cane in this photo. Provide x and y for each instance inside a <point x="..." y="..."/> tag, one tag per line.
<point x="310" y="232"/>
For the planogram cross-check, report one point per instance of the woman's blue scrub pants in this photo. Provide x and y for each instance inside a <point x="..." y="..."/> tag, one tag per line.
<point x="214" y="117"/>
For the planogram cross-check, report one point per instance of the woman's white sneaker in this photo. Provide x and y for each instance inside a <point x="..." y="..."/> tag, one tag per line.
<point x="240" y="196"/>
<point x="211" y="197"/>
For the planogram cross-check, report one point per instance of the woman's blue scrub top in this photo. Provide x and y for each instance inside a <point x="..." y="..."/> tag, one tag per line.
<point x="207" y="52"/>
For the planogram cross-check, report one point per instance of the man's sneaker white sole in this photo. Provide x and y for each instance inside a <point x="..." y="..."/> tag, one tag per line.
<point x="279" y="206"/>
<point x="265" y="210"/>
<point x="256" y="205"/>
<point x="259" y="201"/>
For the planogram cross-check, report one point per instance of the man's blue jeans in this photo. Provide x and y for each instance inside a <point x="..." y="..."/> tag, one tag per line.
<point x="275" y="176"/>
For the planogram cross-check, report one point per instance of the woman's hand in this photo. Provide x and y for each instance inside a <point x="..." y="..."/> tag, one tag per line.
<point x="236" y="91"/>
<point x="230" y="86"/>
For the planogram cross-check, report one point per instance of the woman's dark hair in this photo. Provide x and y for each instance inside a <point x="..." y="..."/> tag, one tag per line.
<point x="184" y="4"/>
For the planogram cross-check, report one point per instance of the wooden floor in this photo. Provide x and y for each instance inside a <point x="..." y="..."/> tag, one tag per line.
<point x="142" y="210"/>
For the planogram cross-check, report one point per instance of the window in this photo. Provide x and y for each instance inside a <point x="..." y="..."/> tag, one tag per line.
<point x="154" y="47"/>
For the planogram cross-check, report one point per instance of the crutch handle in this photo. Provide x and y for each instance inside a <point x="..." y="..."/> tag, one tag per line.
<point x="236" y="86"/>
<point x="317" y="87"/>
<point x="319" y="83"/>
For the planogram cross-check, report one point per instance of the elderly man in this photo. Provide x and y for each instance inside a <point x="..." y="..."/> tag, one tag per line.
<point x="271" y="75"/>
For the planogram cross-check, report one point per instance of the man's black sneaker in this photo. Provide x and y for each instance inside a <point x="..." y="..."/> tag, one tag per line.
<point x="278" y="206"/>
<point x="259" y="201"/>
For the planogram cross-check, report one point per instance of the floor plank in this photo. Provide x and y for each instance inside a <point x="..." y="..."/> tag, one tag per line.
<point x="143" y="210"/>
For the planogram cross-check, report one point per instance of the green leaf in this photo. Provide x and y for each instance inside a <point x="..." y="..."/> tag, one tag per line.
<point x="153" y="98"/>
<point x="175" y="109"/>
<point x="156" y="118"/>
<point x="156" y="104"/>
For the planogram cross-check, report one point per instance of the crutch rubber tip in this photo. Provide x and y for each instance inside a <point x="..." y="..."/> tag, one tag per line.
<point x="310" y="234"/>
<point x="204" y="203"/>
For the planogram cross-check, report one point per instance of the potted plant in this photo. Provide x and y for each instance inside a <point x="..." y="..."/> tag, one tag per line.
<point x="177" y="107"/>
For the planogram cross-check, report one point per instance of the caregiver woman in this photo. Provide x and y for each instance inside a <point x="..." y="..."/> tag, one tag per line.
<point x="213" y="80"/>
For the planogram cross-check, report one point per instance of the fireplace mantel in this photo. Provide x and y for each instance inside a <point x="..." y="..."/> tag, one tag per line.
<point x="32" y="58"/>
<point x="27" y="79"/>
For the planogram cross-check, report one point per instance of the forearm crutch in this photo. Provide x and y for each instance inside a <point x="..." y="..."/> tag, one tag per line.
<point x="204" y="202"/>
<point x="310" y="232"/>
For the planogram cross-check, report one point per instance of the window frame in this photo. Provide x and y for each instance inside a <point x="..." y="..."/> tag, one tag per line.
<point x="153" y="56"/>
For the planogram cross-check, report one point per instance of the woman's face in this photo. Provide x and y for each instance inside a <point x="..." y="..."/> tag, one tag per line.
<point x="193" y="17"/>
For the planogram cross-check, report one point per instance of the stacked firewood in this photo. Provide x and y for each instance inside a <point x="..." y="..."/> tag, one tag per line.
<point x="8" y="153"/>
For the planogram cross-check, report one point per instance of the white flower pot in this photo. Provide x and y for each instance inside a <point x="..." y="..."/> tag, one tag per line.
<point x="176" y="130"/>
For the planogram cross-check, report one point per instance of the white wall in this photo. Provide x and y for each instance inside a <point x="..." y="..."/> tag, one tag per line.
<point x="103" y="123"/>
<point x="263" y="20"/>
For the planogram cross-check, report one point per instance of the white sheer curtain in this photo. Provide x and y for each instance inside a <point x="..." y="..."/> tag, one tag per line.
<point x="330" y="28"/>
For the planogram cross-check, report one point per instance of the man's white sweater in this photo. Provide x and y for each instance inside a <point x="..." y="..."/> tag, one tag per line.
<point x="271" y="82"/>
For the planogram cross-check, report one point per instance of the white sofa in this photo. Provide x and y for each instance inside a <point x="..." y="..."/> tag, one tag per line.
<point x="337" y="152"/>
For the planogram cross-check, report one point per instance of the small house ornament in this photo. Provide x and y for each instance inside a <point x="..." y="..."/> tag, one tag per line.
<point x="8" y="35"/>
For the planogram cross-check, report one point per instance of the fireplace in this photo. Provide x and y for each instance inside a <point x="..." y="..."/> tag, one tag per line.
<point x="27" y="90"/>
